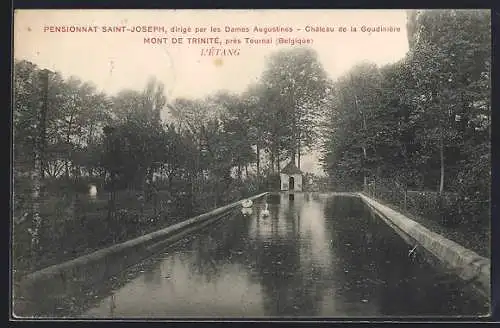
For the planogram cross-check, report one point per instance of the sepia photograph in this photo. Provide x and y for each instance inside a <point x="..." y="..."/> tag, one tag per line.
<point x="251" y="164"/>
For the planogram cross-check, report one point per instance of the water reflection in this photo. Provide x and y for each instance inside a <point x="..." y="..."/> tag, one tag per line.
<point x="188" y="288"/>
<point x="298" y="251"/>
<point x="312" y="256"/>
<point x="112" y="306"/>
<point x="376" y="268"/>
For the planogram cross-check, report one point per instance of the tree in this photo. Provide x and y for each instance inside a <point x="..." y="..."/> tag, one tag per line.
<point x="297" y="84"/>
<point x="420" y="120"/>
<point x="356" y="101"/>
<point x="31" y="106"/>
<point x="450" y="58"/>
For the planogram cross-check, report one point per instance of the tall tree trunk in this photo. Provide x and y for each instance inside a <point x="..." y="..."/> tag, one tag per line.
<point x="193" y="188"/>
<point x="258" y="162"/>
<point x="66" y="168"/>
<point x="112" y="202"/>
<point x="36" y="179"/>
<point x="170" y="179"/>
<point x="441" y="155"/>
<point x="273" y="166"/>
<point x="278" y="161"/>
<point x="149" y="185"/>
<point x="356" y="104"/>
<point x="294" y="127"/>
<point x="90" y="135"/>
<point x="43" y="123"/>
<point x="298" y="152"/>
<point x="246" y="171"/>
<point x="68" y="137"/>
<point x="405" y="201"/>
<point x="90" y="138"/>
<point x="294" y="138"/>
<point x="365" y="178"/>
<point x="36" y="217"/>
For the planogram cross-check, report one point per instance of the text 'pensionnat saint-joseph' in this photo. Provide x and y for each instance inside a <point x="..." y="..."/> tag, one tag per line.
<point x="212" y="29"/>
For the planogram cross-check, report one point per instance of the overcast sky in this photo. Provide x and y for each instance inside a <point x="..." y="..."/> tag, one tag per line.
<point x="114" y="61"/>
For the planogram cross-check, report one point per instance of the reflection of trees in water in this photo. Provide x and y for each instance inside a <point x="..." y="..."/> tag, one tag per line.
<point x="290" y="288"/>
<point x="277" y="266"/>
<point x="149" y="270"/>
<point x="368" y="253"/>
<point x="316" y="256"/>
<point x="153" y="274"/>
<point x="202" y="264"/>
<point x="220" y="245"/>
<point x="112" y="306"/>
<point x="375" y="266"/>
<point x="419" y="288"/>
<point x="344" y="206"/>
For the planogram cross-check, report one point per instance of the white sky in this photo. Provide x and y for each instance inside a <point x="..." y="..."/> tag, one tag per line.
<point x="114" y="61"/>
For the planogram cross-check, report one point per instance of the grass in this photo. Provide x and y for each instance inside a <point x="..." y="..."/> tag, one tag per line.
<point x="75" y="224"/>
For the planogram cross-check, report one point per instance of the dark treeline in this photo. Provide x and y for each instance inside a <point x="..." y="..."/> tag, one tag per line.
<point x="422" y="123"/>
<point x="210" y="151"/>
<point x="425" y="120"/>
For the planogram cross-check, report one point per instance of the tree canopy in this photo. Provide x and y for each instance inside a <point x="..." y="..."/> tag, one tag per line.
<point x="424" y="121"/>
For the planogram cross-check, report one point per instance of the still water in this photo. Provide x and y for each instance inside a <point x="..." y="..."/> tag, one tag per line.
<point x="316" y="255"/>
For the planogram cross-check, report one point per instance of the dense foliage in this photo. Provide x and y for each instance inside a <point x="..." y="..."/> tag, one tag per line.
<point x="424" y="122"/>
<point x="210" y="151"/>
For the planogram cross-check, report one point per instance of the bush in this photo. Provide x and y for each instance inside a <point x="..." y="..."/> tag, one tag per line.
<point x="273" y="182"/>
<point x="449" y="209"/>
<point x="443" y="209"/>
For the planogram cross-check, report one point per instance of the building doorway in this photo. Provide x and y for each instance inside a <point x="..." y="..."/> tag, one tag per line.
<point x="291" y="183"/>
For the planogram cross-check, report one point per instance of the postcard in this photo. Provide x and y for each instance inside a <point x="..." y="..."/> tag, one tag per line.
<point x="251" y="164"/>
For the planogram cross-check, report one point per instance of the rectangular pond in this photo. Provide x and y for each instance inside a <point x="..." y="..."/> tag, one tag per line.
<point x="318" y="255"/>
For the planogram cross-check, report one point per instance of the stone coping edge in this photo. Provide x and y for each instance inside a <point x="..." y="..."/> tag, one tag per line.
<point x="56" y="269"/>
<point x="469" y="265"/>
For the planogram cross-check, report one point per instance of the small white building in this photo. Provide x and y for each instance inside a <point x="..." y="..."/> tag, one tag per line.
<point x="291" y="178"/>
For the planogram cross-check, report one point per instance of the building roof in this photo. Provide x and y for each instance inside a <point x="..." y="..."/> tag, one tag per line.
<point x="290" y="168"/>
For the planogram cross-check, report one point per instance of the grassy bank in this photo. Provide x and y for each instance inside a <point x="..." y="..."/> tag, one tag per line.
<point x="465" y="221"/>
<point x="75" y="224"/>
